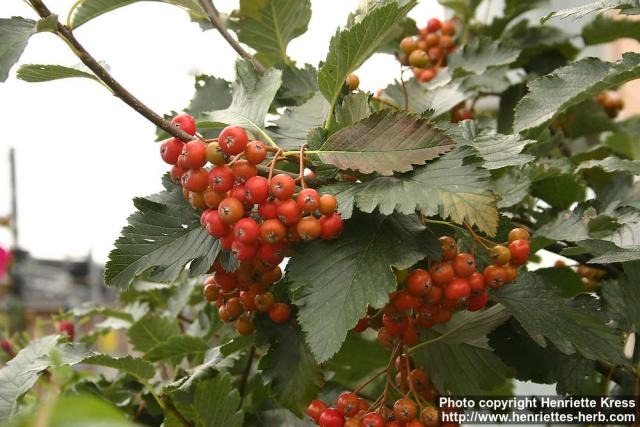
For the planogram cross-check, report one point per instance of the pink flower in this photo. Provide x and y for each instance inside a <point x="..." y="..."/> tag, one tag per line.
<point x="5" y="259"/>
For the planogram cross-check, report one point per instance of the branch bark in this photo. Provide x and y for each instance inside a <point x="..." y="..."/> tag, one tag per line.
<point x="117" y="89"/>
<point x="212" y="13"/>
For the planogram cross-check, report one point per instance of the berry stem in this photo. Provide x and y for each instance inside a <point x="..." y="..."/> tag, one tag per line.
<point x="272" y="165"/>
<point x="246" y="372"/>
<point x="370" y="380"/>
<point x="212" y="13"/>
<point x="301" y="168"/>
<point x="105" y="77"/>
<point x="405" y="94"/>
<point x="477" y="238"/>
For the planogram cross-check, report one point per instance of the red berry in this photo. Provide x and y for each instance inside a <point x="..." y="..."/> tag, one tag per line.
<point x="434" y="25"/>
<point x="289" y="212"/>
<point x="194" y="155"/>
<point x="185" y="122"/>
<point x="332" y="226"/>
<point x="373" y="419"/>
<point x="243" y="170"/>
<point x="268" y="210"/>
<point x="427" y="75"/>
<point x="449" y="248"/>
<point x="67" y="327"/>
<point x="478" y="302"/>
<point x="441" y="273"/>
<point x="221" y="179"/>
<point x="279" y="312"/>
<point x="196" y="180"/>
<point x="255" y="152"/>
<point x="315" y="408"/>
<point x="328" y="204"/>
<point x="419" y="282"/>
<point x="282" y="186"/>
<point x="212" y="198"/>
<point x="362" y="325"/>
<point x="309" y="228"/>
<point x="331" y="418"/>
<point x="448" y="28"/>
<point x="238" y="193"/>
<point x="214" y="224"/>
<point x="348" y="404"/>
<point x="226" y="241"/>
<point x="227" y="281"/>
<point x="233" y="139"/>
<point x="464" y="265"/>
<point x="7" y="347"/>
<point x="457" y="288"/>
<point x="256" y="190"/>
<point x="396" y="324"/>
<point x="244" y="251"/>
<point x="264" y="302"/>
<point x="170" y="150"/>
<point x="272" y="231"/>
<point x="519" y="234"/>
<point x="244" y="326"/>
<point x="434" y="53"/>
<point x="272" y="254"/>
<point x="476" y="281"/>
<point x="308" y="200"/>
<point x="230" y="210"/>
<point x="246" y="231"/>
<point x="176" y="174"/>
<point x="495" y="276"/>
<point x="405" y="410"/>
<point x="519" y="251"/>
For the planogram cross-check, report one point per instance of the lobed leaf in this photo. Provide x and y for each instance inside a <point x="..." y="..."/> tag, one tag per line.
<point x="292" y="128"/>
<point x="269" y="25"/>
<point x="535" y="301"/>
<point x="162" y="237"/>
<point x="482" y="54"/>
<point x="35" y="73"/>
<point x="552" y="94"/>
<point x="599" y="6"/>
<point x="252" y="96"/>
<point x="605" y="29"/>
<point x="334" y="281"/>
<point x="385" y="142"/>
<point x="216" y="403"/>
<point x="349" y="48"/>
<point x="14" y="35"/>
<point x="135" y="367"/>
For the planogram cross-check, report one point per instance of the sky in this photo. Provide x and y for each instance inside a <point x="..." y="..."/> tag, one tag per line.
<point x="82" y="154"/>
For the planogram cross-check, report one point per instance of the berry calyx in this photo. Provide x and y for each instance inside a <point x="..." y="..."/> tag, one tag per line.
<point x="255" y="152"/>
<point x="279" y="312"/>
<point x="308" y="200"/>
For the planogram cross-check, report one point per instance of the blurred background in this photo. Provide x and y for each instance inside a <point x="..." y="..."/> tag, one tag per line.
<point x="80" y="155"/>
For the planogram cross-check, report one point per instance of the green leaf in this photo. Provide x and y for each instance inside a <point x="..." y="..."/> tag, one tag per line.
<point x="482" y="54"/>
<point x="631" y="293"/>
<point x="177" y="347"/>
<point x="599" y="6"/>
<point x="612" y="164"/>
<point x="357" y="359"/>
<point x="86" y="410"/>
<point x="552" y="94"/>
<point x="608" y="252"/>
<point x="211" y="93"/>
<point x="216" y="403"/>
<point x="349" y="48"/>
<point x="334" y="281"/>
<point x="623" y="140"/>
<point x="497" y="150"/>
<point x="354" y="108"/>
<point x="604" y="29"/>
<point x="35" y="73"/>
<point x="269" y="25"/>
<point x="293" y="126"/>
<point x="288" y="366"/>
<point x="511" y="187"/>
<point x="298" y="85"/>
<point x="14" y="35"/>
<point x="22" y="372"/>
<point x="465" y="9"/>
<point x="151" y="331"/>
<point x="461" y="369"/>
<point x="454" y="186"/>
<point x="282" y="418"/>
<point x="161" y="238"/>
<point x="385" y="142"/>
<point x="129" y="365"/>
<point x="536" y="302"/>
<point x="86" y="10"/>
<point x="472" y="326"/>
<point x="252" y="96"/>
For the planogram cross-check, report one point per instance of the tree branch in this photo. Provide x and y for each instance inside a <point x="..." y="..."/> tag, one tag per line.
<point x="118" y="90"/>
<point x="212" y="13"/>
<point x="246" y="372"/>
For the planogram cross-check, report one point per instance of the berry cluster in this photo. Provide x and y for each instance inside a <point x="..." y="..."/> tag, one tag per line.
<point x="240" y="294"/>
<point x="416" y="406"/>
<point x="254" y="217"/>
<point x="427" y="52"/>
<point x="257" y="219"/>
<point x="430" y="296"/>
<point x="611" y="102"/>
